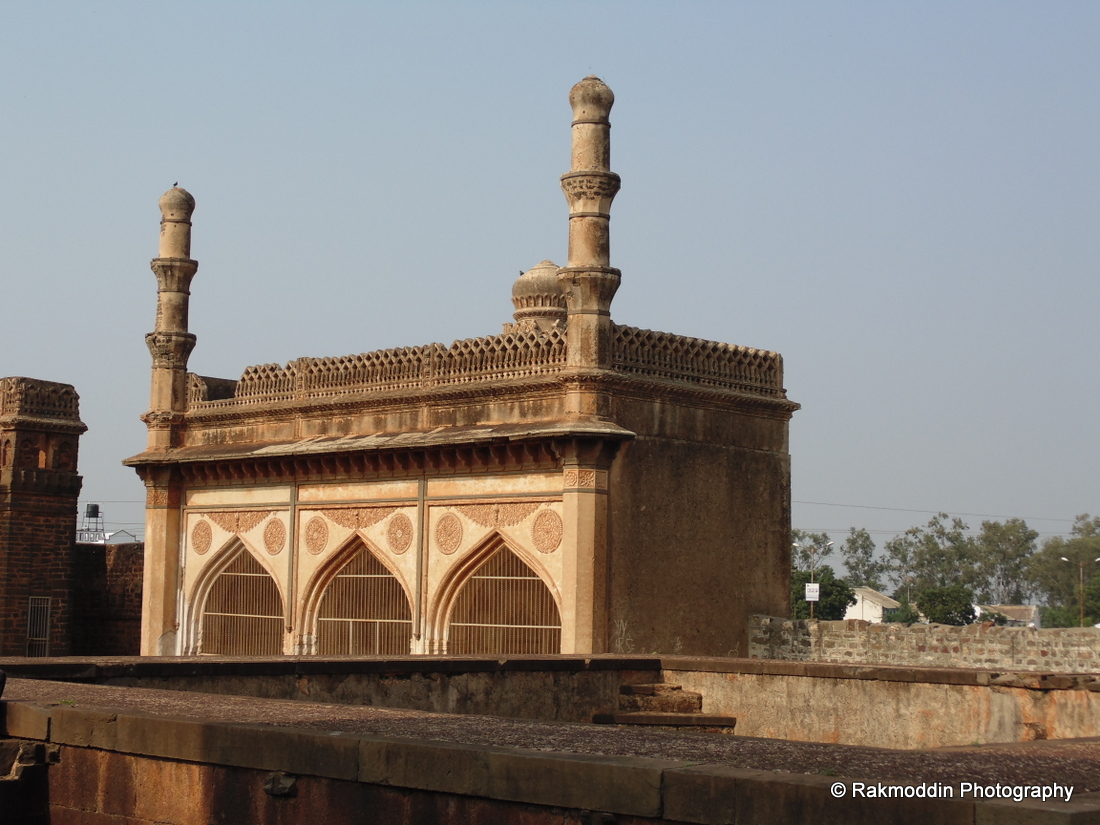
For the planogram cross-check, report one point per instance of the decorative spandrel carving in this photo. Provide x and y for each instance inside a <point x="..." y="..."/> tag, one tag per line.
<point x="316" y="536"/>
<point x="201" y="537"/>
<point x="547" y="531"/>
<point x="448" y="534"/>
<point x="274" y="537"/>
<point x="497" y="515"/>
<point x="399" y="533"/>
<point x="358" y="518"/>
<point x="239" y="521"/>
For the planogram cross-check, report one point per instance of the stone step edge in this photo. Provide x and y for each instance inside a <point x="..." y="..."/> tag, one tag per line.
<point x="677" y="720"/>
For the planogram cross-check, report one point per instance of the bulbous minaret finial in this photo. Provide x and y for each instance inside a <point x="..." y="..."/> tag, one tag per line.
<point x="176" y="208"/>
<point x="170" y="343"/>
<point x="588" y="280"/>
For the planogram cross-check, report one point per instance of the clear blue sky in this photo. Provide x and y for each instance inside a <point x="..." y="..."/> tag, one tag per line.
<point x="902" y="198"/>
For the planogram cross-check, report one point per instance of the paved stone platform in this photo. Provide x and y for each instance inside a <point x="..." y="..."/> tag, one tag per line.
<point x="1069" y="762"/>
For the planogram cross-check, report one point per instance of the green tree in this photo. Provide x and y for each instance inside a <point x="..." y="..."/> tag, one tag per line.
<point x="906" y="614"/>
<point x="1003" y="554"/>
<point x="858" y="551"/>
<point x="836" y="595"/>
<point x="809" y="549"/>
<point x="953" y="604"/>
<point x="1057" y="582"/>
<point x="936" y="555"/>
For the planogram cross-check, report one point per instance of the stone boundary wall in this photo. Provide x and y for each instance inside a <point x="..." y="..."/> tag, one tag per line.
<point x="805" y="701"/>
<point x="855" y="642"/>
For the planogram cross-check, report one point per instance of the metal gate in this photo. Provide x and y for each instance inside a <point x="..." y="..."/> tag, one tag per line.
<point x="504" y="607"/>
<point x="38" y="626"/>
<point x="243" y="615"/>
<point x="364" y="611"/>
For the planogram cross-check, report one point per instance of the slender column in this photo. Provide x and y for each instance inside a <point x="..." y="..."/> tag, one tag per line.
<point x="588" y="280"/>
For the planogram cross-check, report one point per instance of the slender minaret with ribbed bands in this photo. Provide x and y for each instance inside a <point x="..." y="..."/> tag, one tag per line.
<point x="588" y="280"/>
<point x="170" y="343"/>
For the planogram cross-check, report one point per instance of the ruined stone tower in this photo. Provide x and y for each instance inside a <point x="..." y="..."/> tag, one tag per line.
<point x="40" y="429"/>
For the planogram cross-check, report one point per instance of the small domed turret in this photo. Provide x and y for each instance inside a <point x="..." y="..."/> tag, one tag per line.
<point x="538" y="299"/>
<point x="176" y="208"/>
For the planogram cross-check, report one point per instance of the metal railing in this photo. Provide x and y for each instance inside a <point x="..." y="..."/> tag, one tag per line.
<point x="364" y="612"/>
<point x="504" y="608"/>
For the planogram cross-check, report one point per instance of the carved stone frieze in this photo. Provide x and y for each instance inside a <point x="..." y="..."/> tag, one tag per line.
<point x="357" y="518"/>
<point x="239" y="521"/>
<point x="497" y="515"/>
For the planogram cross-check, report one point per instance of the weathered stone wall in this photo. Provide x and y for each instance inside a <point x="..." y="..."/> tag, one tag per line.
<point x="1053" y="650"/>
<point x="107" y="599"/>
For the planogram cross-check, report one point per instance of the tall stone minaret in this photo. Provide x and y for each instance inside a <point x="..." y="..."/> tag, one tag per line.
<point x="170" y="343"/>
<point x="588" y="280"/>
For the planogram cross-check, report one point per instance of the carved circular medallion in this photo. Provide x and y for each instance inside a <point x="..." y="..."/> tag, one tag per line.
<point x="274" y="537"/>
<point x="201" y="537"/>
<point x="448" y="534"/>
<point x="547" y="531"/>
<point x="399" y="533"/>
<point x="316" y="535"/>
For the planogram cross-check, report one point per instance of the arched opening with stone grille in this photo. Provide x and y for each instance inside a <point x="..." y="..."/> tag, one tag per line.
<point x="243" y="612"/>
<point x="364" y="611"/>
<point x="504" y="607"/>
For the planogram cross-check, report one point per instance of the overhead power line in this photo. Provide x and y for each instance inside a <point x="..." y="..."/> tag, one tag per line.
<point x="909" y="510"/>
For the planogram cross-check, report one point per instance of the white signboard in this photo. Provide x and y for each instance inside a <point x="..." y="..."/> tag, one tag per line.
<point x="813" y="592"/>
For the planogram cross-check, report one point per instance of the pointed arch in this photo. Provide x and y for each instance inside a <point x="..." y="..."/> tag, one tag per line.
<point x="496" y="600"/>
<point x="237" y="588"/>
<point x="357" y="604"/>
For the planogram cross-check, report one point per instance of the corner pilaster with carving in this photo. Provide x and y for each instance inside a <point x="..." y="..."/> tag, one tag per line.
<point x="588" y="280"/>
<point x="586" y="469"/>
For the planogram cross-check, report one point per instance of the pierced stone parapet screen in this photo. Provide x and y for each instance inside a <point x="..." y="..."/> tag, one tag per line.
<point x="40" y="399"/>
<point x="694" y="360"/>
<point x="516" y="354"/>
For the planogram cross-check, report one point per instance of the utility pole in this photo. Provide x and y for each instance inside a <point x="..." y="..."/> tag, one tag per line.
<point x="1081" y="590"/>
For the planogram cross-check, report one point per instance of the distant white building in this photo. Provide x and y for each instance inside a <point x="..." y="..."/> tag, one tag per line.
<point x="869" y="605"/>
<point x="1018" y="615"/>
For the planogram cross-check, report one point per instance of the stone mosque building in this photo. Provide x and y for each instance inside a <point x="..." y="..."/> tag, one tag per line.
<point x="571" y="485"/>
